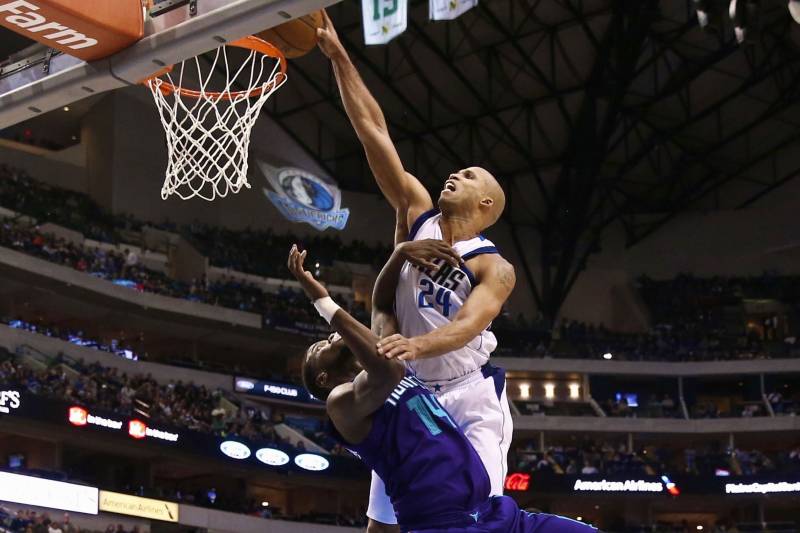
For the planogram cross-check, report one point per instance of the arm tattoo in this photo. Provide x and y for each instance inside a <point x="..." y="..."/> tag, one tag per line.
<point x="505" y="273"/>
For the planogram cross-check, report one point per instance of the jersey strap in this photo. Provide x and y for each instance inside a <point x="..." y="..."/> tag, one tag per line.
<point x="480" y="251"/>
<point x="427" y="215"/>
<point x="490" y="248"/>
<point x="473" y="282"/>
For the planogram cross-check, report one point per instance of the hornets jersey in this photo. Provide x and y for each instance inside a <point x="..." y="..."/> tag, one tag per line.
<point x="434" y="477"/>
<point x="426" y="300"/>
<point x="432" y="473"/>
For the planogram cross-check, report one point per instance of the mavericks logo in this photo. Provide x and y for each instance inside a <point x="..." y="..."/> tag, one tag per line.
<point x="303" y="197"/>
<point x="9" y="399"/>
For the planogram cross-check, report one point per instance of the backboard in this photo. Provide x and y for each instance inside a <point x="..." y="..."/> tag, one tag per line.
<point x="174" y="30"/>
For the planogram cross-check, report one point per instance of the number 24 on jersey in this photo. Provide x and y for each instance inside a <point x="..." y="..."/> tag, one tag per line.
<point x="430" y="297"/>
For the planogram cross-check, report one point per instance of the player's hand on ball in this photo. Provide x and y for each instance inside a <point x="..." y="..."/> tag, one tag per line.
<point x="328" y="39"/>
<point x="398" y="347"/>
<point x="313" y="288"/>
<point x="424" y="253"/>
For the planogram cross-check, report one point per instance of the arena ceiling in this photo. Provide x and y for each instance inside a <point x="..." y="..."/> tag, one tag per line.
<point x="592" y="112"/>
<point x="629" y="93"/>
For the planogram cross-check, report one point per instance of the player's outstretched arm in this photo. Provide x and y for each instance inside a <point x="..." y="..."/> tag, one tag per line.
<point x="380" y="376"/>
<point x="403" y="191"/>
<point x="384" y="322"/>
<point x="497" y="280"/>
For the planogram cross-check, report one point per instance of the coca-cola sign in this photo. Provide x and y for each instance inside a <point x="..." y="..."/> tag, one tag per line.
<point x="518" y="481"/>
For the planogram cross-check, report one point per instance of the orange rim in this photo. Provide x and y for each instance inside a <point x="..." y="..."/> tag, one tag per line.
<point x="250" y="42"/>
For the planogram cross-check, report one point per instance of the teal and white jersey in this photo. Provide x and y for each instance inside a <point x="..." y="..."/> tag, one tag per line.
<point x="426" y="300"/>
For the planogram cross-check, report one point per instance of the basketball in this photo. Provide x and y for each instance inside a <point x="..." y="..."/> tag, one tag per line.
<point x="296" y="37"/>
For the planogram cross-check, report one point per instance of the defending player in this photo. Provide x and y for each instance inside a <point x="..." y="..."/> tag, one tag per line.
<point x="386" y="416"/>
<point x="443" y="312"/>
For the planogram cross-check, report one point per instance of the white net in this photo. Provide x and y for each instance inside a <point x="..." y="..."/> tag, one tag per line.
<point x="208" y="129"/>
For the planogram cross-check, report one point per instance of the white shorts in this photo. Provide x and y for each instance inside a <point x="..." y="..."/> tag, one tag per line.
<point x="478" y="403"/>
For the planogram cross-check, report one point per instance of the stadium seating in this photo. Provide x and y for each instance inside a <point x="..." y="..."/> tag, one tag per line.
<point x="608" y="458"/>
<point x="179" y="405"/>
<point x="688" y="322"/>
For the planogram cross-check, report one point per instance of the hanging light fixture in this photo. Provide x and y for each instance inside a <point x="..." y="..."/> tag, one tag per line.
<point x="737" y="12"/>
<point x="794" y="10"/>
<point x="701" y="7"/>
<point x="744" y="14"/>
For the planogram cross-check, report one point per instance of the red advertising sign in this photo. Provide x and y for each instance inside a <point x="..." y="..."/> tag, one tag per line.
<point x="137" y="429"/>
<point x="79" y="416"/>
<point x="518" y="481"/>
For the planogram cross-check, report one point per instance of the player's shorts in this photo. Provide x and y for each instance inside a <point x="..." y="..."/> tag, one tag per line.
<point x="479" y="405"/>
<point x="502" y="515"/>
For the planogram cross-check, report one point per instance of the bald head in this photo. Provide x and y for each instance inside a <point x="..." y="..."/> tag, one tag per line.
<point x="494" y="192"/>
<point x="473" y="193"/>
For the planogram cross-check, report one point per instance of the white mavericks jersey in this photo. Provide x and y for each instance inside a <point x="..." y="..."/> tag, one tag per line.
<point x="425" y="301"/>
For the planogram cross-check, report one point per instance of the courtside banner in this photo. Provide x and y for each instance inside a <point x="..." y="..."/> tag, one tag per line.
<point x="272" y="389"/>
<point x="628" y="485"/>
<point x="114" y="502"/>
<point x="109" y="428"/>
<point x="383" y="20"/>
<point x="664" y="486"/>
<point x="29" y="490"/>
<point x="743" y="487"/>
<point x="450" y="9"/>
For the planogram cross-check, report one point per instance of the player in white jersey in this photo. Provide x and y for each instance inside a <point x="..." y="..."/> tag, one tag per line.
<point x="443" y="311"/>
<point x="428" y="299"/>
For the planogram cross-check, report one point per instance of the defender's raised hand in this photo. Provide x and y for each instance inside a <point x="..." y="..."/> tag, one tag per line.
<point x="313" y="288"/>
<point x="424" y="253"/>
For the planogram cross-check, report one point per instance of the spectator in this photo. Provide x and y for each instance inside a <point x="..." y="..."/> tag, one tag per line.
<point x="67" y="526"/>
<point x="668" y="403"/>
<point x="775" y="400"/>
<point x="20" y="521"/>
<point x="131" y="262"/>
<point x="173" y="404"/>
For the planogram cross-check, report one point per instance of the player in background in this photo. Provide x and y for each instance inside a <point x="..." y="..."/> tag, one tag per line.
<point x="443" y="312"/>
<point x="393" y="423"/>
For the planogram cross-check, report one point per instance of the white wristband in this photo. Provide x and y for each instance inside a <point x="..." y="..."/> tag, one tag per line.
<point x="326" y="308"/>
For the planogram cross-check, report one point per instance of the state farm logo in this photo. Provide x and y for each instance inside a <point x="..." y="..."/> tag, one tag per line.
<point x="9" y="399"/>
<point x="24" y="16"/>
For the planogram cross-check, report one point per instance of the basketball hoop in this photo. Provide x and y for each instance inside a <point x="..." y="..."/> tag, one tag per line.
<point x="208" y="132"/>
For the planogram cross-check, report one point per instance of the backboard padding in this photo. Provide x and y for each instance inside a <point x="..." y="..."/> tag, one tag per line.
<point x="169" y="38"/>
